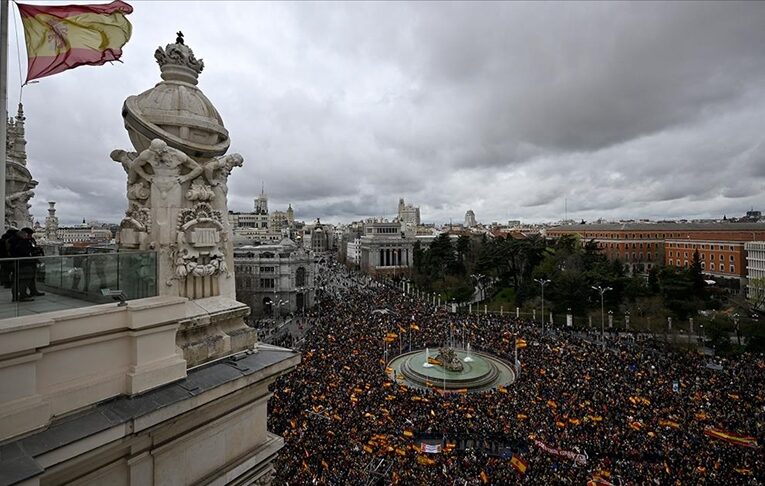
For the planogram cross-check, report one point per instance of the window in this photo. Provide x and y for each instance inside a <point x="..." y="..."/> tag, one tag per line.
<point x="712" y="266"/>
<point x="732" y="269"/>
<point x="267" y="283"/>
<point x="266" y="269"/>
<point x="731" y="258"/>
<point x="703" y="266"/>
<point x="677" y="263"/>
<point x="300" y="277"/>
<point x="721" y="258"/>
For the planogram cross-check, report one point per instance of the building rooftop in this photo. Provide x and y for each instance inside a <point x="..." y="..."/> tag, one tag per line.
<point x="664" y="226"/>
<point x="17" y="458"/>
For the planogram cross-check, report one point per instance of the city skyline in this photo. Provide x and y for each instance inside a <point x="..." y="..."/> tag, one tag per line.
<point x="343" y="108"/>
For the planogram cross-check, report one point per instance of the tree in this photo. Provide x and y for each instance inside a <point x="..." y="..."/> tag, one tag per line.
<point x="697" y="277"/>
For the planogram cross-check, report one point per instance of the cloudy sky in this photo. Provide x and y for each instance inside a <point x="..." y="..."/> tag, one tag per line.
<point x="623" y="110"/>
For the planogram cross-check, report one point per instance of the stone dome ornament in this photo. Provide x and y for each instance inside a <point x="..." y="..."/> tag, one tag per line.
<point x="176" y="110"/>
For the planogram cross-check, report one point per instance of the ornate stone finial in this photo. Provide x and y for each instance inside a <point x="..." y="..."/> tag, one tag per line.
<point x="177" y="62"/>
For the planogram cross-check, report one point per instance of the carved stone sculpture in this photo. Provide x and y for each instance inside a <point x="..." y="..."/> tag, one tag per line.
<point x="449" y="360"/>
<point x="18" y="179"/>
<point x="177" y="180"/>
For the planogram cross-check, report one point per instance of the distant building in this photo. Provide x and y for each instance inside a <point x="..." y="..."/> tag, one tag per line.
<point x="514" y="223"/>
<point x="408" y="214"/>
<point x="83" y="233"/>
<point x="353" y="252"/>
<point x="720" y="245"/>
<point x="260" y="225"/>
<point x="755" y="266"/>
<point x="385" y="248"/>
<point x="470" y="219"/>
<point x="274" y="279"/>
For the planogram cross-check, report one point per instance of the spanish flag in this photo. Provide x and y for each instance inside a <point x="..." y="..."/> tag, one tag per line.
<point x="520" y="343"/>
<point x="519" y="464"/>
<point x="64" y="37"/>
<point x="730" y="437"/>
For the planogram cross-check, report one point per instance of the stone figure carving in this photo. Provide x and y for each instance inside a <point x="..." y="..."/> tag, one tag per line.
<point x="166" y="163"/>
<point x="17" y="208"/>
<point x="216" y="172"/>
<point x="199" y="191"/>
<point x="449" y="360"/>
<point x="138" y="190"/>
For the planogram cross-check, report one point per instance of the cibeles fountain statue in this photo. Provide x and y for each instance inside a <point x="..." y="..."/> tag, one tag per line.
<point x="177" y="185"/>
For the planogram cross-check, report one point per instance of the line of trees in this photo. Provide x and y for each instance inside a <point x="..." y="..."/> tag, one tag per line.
<point x="510" y="268"/>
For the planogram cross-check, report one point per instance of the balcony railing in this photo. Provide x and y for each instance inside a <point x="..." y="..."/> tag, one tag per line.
<point x="41" y="284"/>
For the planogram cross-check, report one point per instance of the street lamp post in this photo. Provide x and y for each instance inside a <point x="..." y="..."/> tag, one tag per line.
<point x="542" y="283"/>
<point x="602" y="290"/>
<point x="735" y="324"/>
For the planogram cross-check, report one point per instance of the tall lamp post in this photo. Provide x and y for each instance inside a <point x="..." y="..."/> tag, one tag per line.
<point x="542" y="283"/>
<point x="602" y="290"/>
<point x="735" y="324"/>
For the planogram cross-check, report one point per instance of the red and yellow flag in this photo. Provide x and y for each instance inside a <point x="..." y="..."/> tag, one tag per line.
<point x="519" y="464"/>
<point x="731" y="437"/>
<point x="64" y="37"/>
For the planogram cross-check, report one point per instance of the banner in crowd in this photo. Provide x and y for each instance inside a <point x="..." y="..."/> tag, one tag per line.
<point x="578" y="458"/>
<point x="430" y="448"/>
<point x="730" y="437"/>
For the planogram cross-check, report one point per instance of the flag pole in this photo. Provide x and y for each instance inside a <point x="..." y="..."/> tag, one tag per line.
<point x="3" y="104"/>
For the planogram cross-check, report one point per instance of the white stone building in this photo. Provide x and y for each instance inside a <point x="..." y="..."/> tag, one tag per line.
<point x="275" y="279"/>
<point x="755" y="269"/>
<point x="408" y="214"/>
<point x="470" y="219"/>
<point x="353" y="251"/>
<point x="386" y="249"/>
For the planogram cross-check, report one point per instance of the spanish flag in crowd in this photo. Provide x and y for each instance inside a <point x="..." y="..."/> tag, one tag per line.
<point x="66" y="36"/>
<point x="520" y="343"/>
<point x="730" y="437"/>
<point x="519" y="464"/>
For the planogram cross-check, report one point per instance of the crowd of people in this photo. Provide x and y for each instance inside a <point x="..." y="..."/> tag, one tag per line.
<point x="624" y="413"/>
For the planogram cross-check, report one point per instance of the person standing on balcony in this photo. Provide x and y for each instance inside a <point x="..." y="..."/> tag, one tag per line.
<point x="24" y="246"/>
<point x="6" y="267"/>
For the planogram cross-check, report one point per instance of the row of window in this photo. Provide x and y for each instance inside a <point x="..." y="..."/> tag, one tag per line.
<point x="639" y="256"/>
<point x="701" y="247"/>
<point x="731" y="268"/>
<point x="627" y="245"/>
<point x="634" y="236"/>
<point x="702" y="256"/>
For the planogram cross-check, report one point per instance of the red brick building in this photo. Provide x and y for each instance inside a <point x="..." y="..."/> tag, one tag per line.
<point x="720" y="245"/>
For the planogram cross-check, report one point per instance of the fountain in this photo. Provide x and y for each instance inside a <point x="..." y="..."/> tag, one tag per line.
<point x="427" y="364"/>
<point x="468" y="358"/>
<point x="451" y="370"/>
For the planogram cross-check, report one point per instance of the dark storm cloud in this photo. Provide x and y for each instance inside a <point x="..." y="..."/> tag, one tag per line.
<point x="509" y="109"/>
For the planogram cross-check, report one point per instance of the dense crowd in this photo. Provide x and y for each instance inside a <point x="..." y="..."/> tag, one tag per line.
<point x="636" y="412"/>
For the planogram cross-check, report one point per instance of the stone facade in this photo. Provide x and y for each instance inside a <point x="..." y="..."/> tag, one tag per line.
<point x="275" y="279"/>
<point x="408" y="214"/>
<point x="386" y="249"/>
<point x="19" y="184"/>
<point x="168" y="390"/>
<point x="470" y="219"/>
